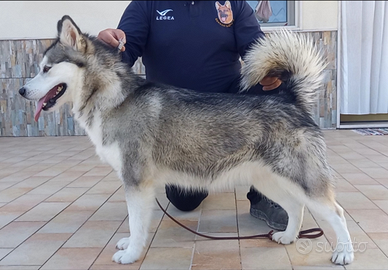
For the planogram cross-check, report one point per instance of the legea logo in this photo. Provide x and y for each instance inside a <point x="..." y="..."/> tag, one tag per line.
<point x="163" y="15"/>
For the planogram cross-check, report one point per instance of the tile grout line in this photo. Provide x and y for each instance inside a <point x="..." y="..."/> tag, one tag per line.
<point x="72" y="234"/>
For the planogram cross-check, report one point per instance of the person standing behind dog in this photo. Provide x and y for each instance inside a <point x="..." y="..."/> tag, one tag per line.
<point x="196" y="45"/>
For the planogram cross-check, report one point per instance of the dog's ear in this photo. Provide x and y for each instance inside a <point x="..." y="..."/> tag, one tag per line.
<point x="227" y="4"/>
<point x="69" y="34"/>
<point x="218" y="5"/>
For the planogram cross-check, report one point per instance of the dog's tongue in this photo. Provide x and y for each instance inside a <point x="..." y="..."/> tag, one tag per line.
<point x="45" y="99"/>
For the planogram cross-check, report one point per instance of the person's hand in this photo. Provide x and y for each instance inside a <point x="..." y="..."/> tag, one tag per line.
<point x="112" y="37"/>
<point x="270" y="83"/>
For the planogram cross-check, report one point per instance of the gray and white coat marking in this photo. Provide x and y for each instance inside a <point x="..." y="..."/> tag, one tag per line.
<point x="153" y="134"/>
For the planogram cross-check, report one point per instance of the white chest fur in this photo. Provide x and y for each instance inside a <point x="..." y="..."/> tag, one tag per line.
<point x="111" y="153"/>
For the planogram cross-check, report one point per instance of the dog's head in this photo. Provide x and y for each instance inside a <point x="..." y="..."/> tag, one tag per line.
<point x="62" y="70"/>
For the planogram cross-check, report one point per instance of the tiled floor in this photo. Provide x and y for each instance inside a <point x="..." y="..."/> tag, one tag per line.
<point x="60" y="208"/>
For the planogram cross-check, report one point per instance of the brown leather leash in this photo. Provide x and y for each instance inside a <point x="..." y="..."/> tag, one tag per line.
<point x="310" y="233"/>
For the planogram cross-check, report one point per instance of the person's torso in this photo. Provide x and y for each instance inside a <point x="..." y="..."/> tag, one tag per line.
<point x="192" y="44"/>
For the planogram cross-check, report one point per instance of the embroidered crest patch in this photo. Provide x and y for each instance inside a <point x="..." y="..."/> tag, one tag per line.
<point x="225" y="14"/>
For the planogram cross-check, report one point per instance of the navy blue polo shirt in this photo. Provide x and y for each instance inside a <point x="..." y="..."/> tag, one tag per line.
<point x="190" y="44"/>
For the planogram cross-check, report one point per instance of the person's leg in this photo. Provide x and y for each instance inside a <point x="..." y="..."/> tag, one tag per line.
<point x="262" y="207"/>
<point x="183" y="199"/>
<point x="265" y="209"/>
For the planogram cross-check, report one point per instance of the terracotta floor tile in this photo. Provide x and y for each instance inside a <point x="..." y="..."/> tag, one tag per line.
<point x="16" y="232"/>
<point x="370" y="259"/>
<point x="265" y="258"/>
<point x="345" y="168"/>
<point x="167" y="258"/>
<point x="66" y="222"/>
<point x="314" y="252"/>
<point x="12" y="193"/>
<point x="5" y="185"/>
<point x="99" y="171"/>
<point x="43" y="211"/>
<point x="241" y="192"/>
<point x="170" y="234"/>
<point x="118" y="196"/>
<point x="33" y="181"/>
<point x="24" y="203"/>
<point x="67" y="176"/>
<point x="218" y="221"/>
<point x="375" y="172"/>
<point x="220" y="201"/>
<point x="85" y="181"/>
<point x="354" y="200"/>
<point x="341" y="185"/>
<point x="371" y="221"/>
<point x="72" y="258"/>
<point x="111" y="211"/>
<point x="383" y="181"/>
<point x="374" y="192"/>
<point x="67" y="195"/>
<point x="358" y="178"/>
<point x="94" y="234"/>
<point x="382" y="204"/>
<point x="88" y="202"/>
<point x="36" y="250"/>
<point x="105" y="187"/>
<point x="19" y="267"/>
<point x="223" y="254"/>
<point x="381" y="240"/>
<point x="8" y="216"/>
<point x="4" y="252"/>
<point x="82" y="233"/>
<point x="48" y="188"/>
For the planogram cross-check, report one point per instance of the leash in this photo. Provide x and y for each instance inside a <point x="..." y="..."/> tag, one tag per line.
<point x="309" y="233"/>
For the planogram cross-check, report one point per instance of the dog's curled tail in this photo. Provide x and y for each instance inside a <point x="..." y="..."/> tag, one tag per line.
<point x="290" y="56"/>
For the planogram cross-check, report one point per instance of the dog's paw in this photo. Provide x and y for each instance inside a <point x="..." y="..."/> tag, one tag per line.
<point x="123" y="243"/>
<point x="124" y="257"/>
<point x="343" y="254"/>
<point x="283" y="238"/>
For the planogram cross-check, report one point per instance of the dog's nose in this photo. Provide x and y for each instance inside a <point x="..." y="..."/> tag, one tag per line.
<point x="22" y="91"/>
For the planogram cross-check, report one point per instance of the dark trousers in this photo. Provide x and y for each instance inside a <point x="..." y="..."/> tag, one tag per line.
<point x="188" y="200"/>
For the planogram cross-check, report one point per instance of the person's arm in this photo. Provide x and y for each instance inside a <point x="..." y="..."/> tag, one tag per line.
<point x="132" y="30"/>
<point x="248" y="31"/>
<point x="135" y="24"/>
<point x="246" y="27"/>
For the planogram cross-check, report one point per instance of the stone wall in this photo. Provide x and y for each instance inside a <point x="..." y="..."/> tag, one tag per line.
<point x="19" y="60"/>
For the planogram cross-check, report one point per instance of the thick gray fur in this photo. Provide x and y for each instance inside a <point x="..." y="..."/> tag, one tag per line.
<point x="154" y="134"/>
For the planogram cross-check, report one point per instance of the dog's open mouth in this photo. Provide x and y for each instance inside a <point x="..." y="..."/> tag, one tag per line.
<point x="50" y="99"/>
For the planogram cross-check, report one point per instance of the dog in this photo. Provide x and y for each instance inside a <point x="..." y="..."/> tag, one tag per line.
<point x="153" y="134"/>
<point x="225" y="13"/>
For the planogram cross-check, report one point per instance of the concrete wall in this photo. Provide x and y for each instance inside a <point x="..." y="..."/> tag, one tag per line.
<point x="318" y="15"/>
<point x="33" y="19"/>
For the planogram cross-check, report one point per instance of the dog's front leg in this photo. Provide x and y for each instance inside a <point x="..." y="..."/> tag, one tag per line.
<point x="140" y="203"/>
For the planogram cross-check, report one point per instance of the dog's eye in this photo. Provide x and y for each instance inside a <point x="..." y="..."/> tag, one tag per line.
<point x="46" y="69"/>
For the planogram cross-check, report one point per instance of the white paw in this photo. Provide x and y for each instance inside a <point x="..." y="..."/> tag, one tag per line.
<point x="343" y="254"/>
<point x="283" y="238"/>
<point x="123" y="243"/>
<point x="124" y="257"/>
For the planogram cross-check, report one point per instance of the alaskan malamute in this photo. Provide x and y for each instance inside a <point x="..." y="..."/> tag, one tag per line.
<point x="154" y="134"/>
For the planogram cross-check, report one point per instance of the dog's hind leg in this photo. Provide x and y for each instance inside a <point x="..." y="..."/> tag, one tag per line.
<point x="331" y="211"/>
<point x="139" y="202"/>
<point x="289" y="202"/>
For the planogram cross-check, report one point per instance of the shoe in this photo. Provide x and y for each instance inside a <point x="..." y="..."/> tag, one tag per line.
<point x="269" y="211"/>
